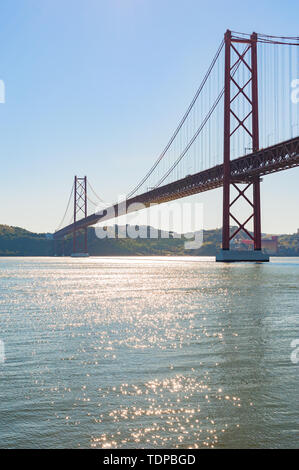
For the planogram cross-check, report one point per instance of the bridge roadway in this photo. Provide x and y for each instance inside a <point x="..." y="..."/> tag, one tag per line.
<point x="272" y="159"/>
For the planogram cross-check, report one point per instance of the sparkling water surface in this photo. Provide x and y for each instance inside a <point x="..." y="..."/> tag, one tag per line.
<point x="148" y="352"/>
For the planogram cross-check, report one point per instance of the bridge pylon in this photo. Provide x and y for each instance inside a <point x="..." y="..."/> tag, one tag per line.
<point x="80" y="209"/>
<point x="249" y="124"/>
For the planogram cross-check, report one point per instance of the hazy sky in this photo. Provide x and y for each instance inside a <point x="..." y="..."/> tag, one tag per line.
<point x="96" y="87"/>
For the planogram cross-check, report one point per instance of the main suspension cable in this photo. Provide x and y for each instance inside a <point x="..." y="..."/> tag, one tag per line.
<point x="235" y="68"/>
<point x="67" y="207"/>
<point x="98" y="197"/>
<point x="269" y="39"/>
<point x="181" y="122"/>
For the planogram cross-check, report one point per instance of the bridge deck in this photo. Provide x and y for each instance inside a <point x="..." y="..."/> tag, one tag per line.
<point x="279" y="157"/>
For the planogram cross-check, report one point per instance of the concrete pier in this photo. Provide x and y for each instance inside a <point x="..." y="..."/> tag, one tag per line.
<point x="230" y="256"/>
<point x="79" y="255"/>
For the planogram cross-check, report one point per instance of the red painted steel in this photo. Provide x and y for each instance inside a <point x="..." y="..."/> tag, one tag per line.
<point x="75" y="215"/>
<point x="278" y="157"/>
<point x="245" y="170"/>
<point x="255" y="144"/>
<point x="85" y="209"/>
<point x="226" y="143"/>
<point x="247" y="58"/>
<point x="80" y="207"/>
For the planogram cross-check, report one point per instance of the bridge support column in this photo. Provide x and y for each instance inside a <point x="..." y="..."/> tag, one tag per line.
<point x="255" y="144"/>
<point x="257" y="216"/>
<point x="247" y="58"/>
<point x="80" y="208"/>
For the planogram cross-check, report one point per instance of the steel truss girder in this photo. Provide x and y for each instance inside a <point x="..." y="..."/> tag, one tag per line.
<point x="279" y="157"/>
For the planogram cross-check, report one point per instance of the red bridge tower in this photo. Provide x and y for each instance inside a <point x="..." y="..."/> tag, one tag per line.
<point x="249" y="91"/>
<point x="80" y="209"/>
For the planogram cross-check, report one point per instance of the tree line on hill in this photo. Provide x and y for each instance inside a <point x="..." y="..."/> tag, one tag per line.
<point x="16" y="241"/>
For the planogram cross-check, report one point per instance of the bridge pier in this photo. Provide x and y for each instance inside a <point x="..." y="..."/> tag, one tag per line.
<point x="230" y="256"/>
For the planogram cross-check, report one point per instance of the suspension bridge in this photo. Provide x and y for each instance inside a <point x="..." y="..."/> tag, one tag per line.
<point x="242" y="124"/>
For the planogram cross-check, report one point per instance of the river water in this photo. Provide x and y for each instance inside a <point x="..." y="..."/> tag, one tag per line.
<point x="148" y="352"/>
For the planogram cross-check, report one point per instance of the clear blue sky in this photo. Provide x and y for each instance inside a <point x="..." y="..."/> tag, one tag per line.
<point x="96" y="87"/>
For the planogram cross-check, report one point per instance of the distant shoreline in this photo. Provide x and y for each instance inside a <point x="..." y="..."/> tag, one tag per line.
<point x="18" y="242"/>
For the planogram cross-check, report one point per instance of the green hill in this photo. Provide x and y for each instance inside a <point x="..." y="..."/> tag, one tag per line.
<point x="16" y="241"/>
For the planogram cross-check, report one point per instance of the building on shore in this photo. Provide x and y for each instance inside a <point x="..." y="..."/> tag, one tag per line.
<point x="269" y="244"/>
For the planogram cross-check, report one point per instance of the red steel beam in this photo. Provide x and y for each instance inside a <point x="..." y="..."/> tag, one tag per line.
<point x="226" y="143"/>
<point x="245" y="169"/>
<point x="255" y="144"/>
